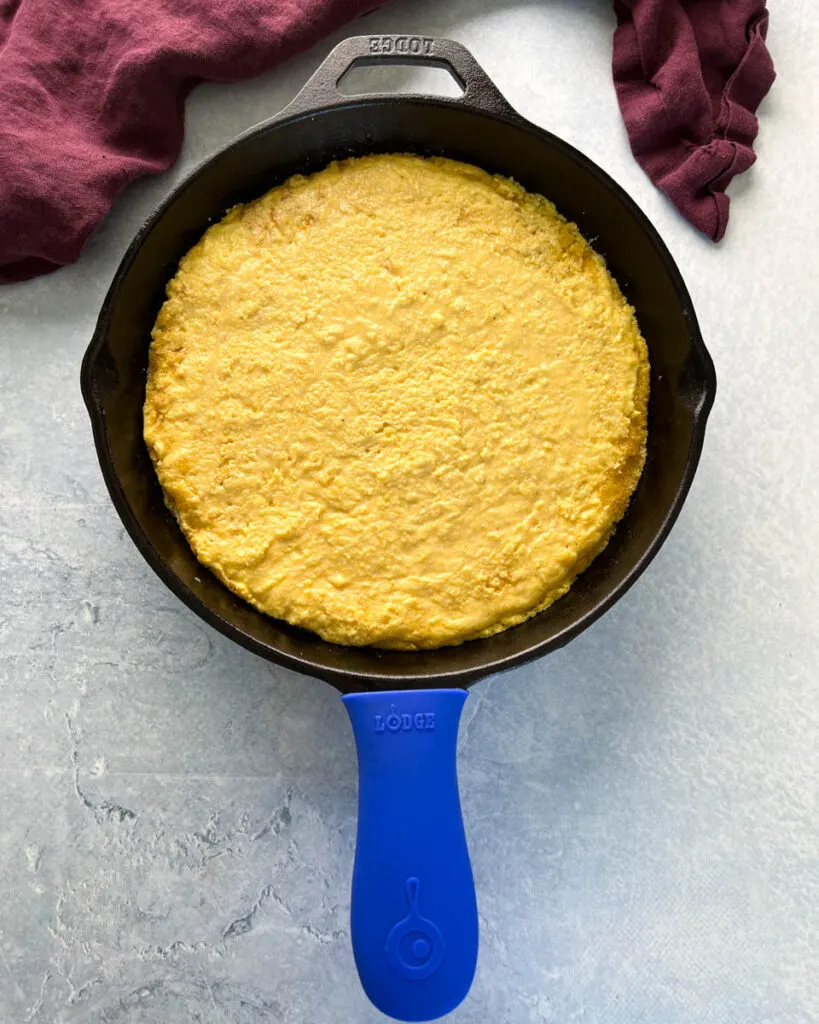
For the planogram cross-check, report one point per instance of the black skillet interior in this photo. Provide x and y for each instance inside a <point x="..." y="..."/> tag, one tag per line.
<point x="322" y="125"/>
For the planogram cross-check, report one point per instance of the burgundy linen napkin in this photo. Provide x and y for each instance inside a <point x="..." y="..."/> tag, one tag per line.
<point x="92" y="95"/>
<point x="689" y="76"/>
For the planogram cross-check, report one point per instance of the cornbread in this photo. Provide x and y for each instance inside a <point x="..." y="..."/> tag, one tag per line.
<point x="400" y="402"/>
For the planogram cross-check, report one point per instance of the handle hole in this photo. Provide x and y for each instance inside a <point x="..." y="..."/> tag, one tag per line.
<point x="361" y="79"/>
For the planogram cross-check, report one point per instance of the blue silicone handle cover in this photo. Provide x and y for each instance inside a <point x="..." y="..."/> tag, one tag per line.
<point x="414" y="919"/>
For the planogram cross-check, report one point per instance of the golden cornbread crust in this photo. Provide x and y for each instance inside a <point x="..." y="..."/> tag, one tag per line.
<point x="400" y="402"/>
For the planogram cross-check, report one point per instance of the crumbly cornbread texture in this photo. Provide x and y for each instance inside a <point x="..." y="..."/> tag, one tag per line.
<point x="400" y="402"/>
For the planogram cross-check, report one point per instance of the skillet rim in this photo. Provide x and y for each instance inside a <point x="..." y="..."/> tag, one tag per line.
<point x="346" y="680"/>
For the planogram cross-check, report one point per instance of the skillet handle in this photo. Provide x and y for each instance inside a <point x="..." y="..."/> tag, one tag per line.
<point x="414" y="917"/>
<point x="321" y="90"/>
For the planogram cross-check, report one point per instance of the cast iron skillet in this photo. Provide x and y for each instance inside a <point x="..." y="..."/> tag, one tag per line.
<point x="411" y="859"/>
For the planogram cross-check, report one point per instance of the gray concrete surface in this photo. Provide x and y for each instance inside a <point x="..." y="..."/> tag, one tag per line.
<point x="177" y="817"/>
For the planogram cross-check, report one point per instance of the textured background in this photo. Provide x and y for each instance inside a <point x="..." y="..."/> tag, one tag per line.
<point x="177" y="817"/>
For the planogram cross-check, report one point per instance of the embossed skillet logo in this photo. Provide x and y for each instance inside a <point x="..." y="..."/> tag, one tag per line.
<point x="393" y="722"/>
<point x="415" y="945"/>
<point x="400" y="44"/>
